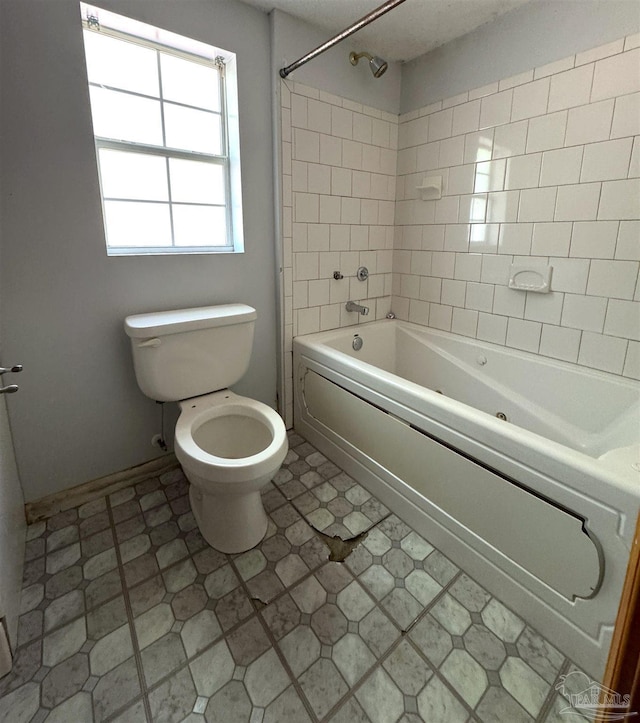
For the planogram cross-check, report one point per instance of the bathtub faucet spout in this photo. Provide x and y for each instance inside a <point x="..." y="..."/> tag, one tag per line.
<point x="352" y="306"/>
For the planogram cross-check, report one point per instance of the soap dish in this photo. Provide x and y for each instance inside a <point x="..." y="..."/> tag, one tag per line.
<point x="530" y="278"/>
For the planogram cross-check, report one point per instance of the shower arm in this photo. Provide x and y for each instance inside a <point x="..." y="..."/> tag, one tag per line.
<point x="358" y="25"/>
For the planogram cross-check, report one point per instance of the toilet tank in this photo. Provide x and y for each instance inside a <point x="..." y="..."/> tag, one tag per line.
<point x="190" y="352"/>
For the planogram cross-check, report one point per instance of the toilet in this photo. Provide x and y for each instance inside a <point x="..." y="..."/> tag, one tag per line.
<point x="229" y="446"/>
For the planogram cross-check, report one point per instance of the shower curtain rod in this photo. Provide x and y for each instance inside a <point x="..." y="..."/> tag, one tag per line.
<point x="358" y="25"/>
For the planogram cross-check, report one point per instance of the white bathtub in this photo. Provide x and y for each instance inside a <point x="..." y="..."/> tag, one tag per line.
<point x="539" y="502"/>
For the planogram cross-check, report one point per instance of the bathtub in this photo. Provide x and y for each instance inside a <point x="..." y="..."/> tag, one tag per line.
<point x="523" y="470"/>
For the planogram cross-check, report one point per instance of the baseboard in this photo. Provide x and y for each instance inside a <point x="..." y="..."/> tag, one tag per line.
<point x="75" y="496"/>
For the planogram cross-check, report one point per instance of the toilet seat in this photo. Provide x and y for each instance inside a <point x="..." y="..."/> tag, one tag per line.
<point x="255" y="426"/>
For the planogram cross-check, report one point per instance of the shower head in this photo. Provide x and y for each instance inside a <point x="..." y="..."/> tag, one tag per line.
<point x="378" y="65"/>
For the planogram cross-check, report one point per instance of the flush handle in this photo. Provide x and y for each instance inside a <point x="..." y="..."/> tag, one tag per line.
<point x="153" y="343"/>
<point x="16" y="368"/>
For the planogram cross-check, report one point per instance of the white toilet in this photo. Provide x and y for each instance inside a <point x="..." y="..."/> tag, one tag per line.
<point x="229" y="446"/>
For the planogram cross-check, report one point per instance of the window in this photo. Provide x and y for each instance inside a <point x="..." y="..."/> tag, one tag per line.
<point x="164" y="112"/>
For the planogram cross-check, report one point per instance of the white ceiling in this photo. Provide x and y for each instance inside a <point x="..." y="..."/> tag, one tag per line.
<point x="407" y="31"/>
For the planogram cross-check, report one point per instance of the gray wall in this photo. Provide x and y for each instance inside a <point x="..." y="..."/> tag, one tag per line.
<point x="535" y="34"/>
<point x="79" y="414"/>
<point x="331" y="71"/>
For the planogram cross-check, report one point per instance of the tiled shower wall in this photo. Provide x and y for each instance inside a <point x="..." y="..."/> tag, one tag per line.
<point x="339" y="189"/>
<point x="538" y="169"/>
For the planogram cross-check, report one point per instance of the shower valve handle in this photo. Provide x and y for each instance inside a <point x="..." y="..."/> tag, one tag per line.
<point x="16" y="368"/>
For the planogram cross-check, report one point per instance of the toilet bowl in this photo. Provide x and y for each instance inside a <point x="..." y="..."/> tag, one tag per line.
<point x="229" y="447"/>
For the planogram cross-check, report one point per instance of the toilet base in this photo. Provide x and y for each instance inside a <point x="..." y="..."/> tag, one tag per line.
<point x="230" y="524"/>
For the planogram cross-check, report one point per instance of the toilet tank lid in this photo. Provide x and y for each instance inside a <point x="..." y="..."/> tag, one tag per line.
<point x="160" y="323"/>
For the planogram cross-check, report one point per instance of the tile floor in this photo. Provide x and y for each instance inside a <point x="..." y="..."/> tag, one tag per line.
<point x="128" y="615"/>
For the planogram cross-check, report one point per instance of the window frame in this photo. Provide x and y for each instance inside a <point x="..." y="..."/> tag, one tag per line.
<point x="229" y="158"/>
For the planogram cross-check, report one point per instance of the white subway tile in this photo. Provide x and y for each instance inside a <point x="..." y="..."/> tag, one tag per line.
<point x="508" y="302"/>
<point x="514" y="80"/>
<point x="443" y="264"/>
<point x="341" y="122"/>
<point x="510" y="140"/>
<point x="381" y="134"/>
<point x="339" y="238"/>
<point x="330" y="209"/>
<point x="478" y="146"/>
<point x="417" y="131"/>
<point x="530" y="100"/>
<point x="561" y="166"/>
<point x="456" y="237"/>
<point x="468" y="266"/>
<point x="515" y="238"/>
<point x="285" y="125"/>
<point x="616" y="76"/>
<point x="602" y="352"/>
<point x="299" y="176"/>
<point x="632" y="41"/>
<point x="634" y="165"/>
<point x="479" y="296"/>
<point x="489" y="176"/>
<point x="447" y="210"/>
<point x="453" y="292"/>
<point x="340" y="181"/>
<point x="594" y="239"/>
<point x="571" y="88"/>
<point x="628" y="245"/>
<point x="602" y="51"/>
<point x="569" y="275"/>
<point x="409" y="286"/>
<point x="546" y="308"/>
<point x="623" y="319"/>
<point x="300" y="237"/>
<point x="466" y="117"/>
<point x="632" y="361"/>
<point x="306" y="207"/>
<point x="330" y="150"/>
<point x="465" y="322"/>
<point x="492" y="328"/>
<point x="440" y="316"/>
<point x="546" y="132"/>
<point x="615" y="279"/>
<point x="537" y="204"/>
<point x="427" y="156"/>
<point x="318" y="292"/>
<point x="359" y="238"/>
<point x="306" y="90"/>
<point x="523" y="171"/>
<point x="584" y="312"/>
<point x="308" y="320"/>
<point x="350" y="210"/>
<point x="606" y="161"/>
<point x="523" y="335"/>
<point x="451" y="152"/>
<point x="440" y="125"/>
<point x="473" y="208"/>
<point x="433" y="238"/>
<point x="551" y="239"/>
<point x="318" y="237"/>
<point x="455" y="100"/>
<point x="319" y="178"/>
<point x="419" y="312"/>
<point x="496" y="109"/>
<point x="352" y="154"/>
<point x="430" y="288"/>
<point x="306" y="145"/>
<point x="368" y="211"/>
<point x="287" y="150"/>
<point x="560" y="343"/>
<point x="495" y="269"/>
<point x="300" y="294"/>
<point x="329" y="262"/>
<point x="371" y="158"/>
<point x="318" y="116"/>
<point x="420" y="263"/>
<point x="362" y="128"/>
<point x="502" y="206"/>
<point x="578" y="202"/>
<point x="484" y="238"/>
<point x="483" y="91"/>
<point x="388" y="161"/>
<point x="329" y="317"/>
<point x="306" y="266"/>
<point x="298" y="111"/>
<point x="620" y="200"/>
<point x="589" y="123"/>
<point x="461" y="179"/>
<point x="558" y="66"/>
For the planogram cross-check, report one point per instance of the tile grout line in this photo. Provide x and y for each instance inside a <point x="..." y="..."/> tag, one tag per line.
<point x="130" y="619"/>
